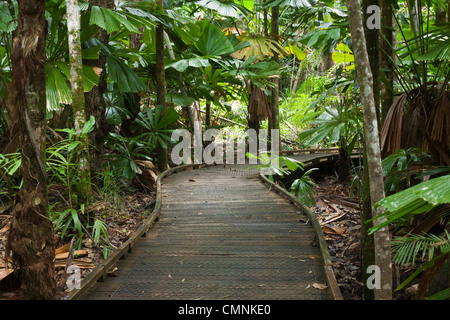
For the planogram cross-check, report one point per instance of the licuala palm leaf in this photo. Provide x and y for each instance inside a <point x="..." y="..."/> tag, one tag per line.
<point x="225" y="8"/>
<point x="58" y="86"/>
<point x="418" y="199"/>
<point x="213" y="41"/>
<point x="259" y="46"/>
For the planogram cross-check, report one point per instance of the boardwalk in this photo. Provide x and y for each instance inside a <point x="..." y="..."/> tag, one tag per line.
<point x="222" y="234"/>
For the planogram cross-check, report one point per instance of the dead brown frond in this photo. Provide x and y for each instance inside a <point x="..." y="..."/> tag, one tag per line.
<point x="258" y="107"/>
<point x="419" y="120"/>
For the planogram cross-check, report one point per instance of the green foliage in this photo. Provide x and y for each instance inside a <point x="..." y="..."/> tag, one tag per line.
<point x="280" y="166"/>
<point x="154" y="127"/>
<point x="100" y="229"/>
<point x="397" y="167"/>
<point x="335" y="125"/>
<point x="10" y="181"/>
<point x="406" y="249"/>
<point x="418" y="199"/>
<point x="401" y="207"/>
<point x="303" y="188"/>
<point x="273" y="166"/>
<point x="125" y="152"/>
<point x="112" y="189"/>
<point x="213" y="42"/>
<point x="62" y="163"/>
<point x="155" y="123"/>
<point x="69" y="224"/>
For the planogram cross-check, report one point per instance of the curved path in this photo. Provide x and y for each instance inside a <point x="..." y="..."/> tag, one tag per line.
<point x="222" y="234"/>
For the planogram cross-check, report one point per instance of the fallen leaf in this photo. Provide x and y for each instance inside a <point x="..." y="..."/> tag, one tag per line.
<point x="335" y="230"/>
<point x="319" y="286"/>
<point x="5" y="272"/>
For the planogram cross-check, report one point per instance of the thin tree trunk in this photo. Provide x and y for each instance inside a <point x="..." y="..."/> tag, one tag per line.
<point x="95" y="103"/>
<point x="275" y="117"/>
<point x="367" y="241"/>
<point x="386" y="57"/>
<point x="160" y="85"/>
<point x="373" y="44"/>
<point x="372" y="143"/>
<point x="31" y="235"/>
<point x="78" y="102"/>
<point x="297" y="77"/>
<point x="208" y="114"/>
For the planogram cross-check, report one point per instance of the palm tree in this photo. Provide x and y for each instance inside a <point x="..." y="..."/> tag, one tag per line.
<point x="418" y="116"/>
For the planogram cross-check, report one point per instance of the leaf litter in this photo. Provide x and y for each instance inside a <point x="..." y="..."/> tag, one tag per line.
<point x="339" y="217"/>
<point x="121" y="222"/>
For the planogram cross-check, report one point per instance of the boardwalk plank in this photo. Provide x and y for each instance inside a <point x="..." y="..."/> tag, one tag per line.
<point x="222" y="236"/>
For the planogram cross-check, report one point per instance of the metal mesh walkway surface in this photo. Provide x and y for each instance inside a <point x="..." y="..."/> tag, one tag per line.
<point x="222" y="234"/>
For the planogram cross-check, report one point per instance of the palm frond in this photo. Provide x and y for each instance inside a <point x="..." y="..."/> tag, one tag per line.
<point x="407" y="249"/>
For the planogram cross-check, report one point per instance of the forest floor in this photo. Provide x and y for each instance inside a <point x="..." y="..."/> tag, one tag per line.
<point x="338" y="214"/>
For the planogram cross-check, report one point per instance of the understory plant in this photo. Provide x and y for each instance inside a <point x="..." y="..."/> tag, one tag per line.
<point x="303" y="188"/>
<point x="400" y="208"/>
<point x="152" y="128"/>
<point x="398" y="167"/>
<point x="9" y="182"/>
<point x="273" y="167"/>
<point x="62" y="165"/>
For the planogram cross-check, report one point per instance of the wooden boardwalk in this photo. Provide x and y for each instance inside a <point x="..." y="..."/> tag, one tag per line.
<point x="222" y="234"/>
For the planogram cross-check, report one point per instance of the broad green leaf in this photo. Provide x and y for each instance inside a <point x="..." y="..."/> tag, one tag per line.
<point x="179" y="100"/>
<point x="90" y="77"/>
<point x="169" y="117"/>
<point x="342" y="57"/>
<point x="213" y="42"/>
<point x="57" y="86"/>
<point x="127" y="80"/>
<point x="415" y="200"/>
<point x="97" y="17"/>
<point x="183" y="64"/>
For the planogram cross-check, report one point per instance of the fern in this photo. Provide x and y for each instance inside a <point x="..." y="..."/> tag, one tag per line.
<point x="406" y="249"/>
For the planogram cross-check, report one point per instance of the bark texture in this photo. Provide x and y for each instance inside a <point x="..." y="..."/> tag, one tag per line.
<point x="372" y="144"/>
<point x="31" y="235"/>
<point x="95" y="103"/>
<point x="386" y="57"/>
<point x="160" y="85"/>
<point x="78" y="101"/>
<point x="275" y="113"/>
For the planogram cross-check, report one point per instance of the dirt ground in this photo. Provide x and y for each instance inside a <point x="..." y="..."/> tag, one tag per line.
<point x="121" y="217"/>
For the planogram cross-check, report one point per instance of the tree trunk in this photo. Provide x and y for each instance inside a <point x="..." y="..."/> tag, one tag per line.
<point x="78" y="102"/>
<point x="373" y="44"/>
<point x="95" y="103"/>
<point x="372" y="143"/>
<point x="367" y="246"/>
<point x="275" y="116"/>
<point x="386" y="57"/>
<point x="31" y="235"/>
<point x="160" y="85"/>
